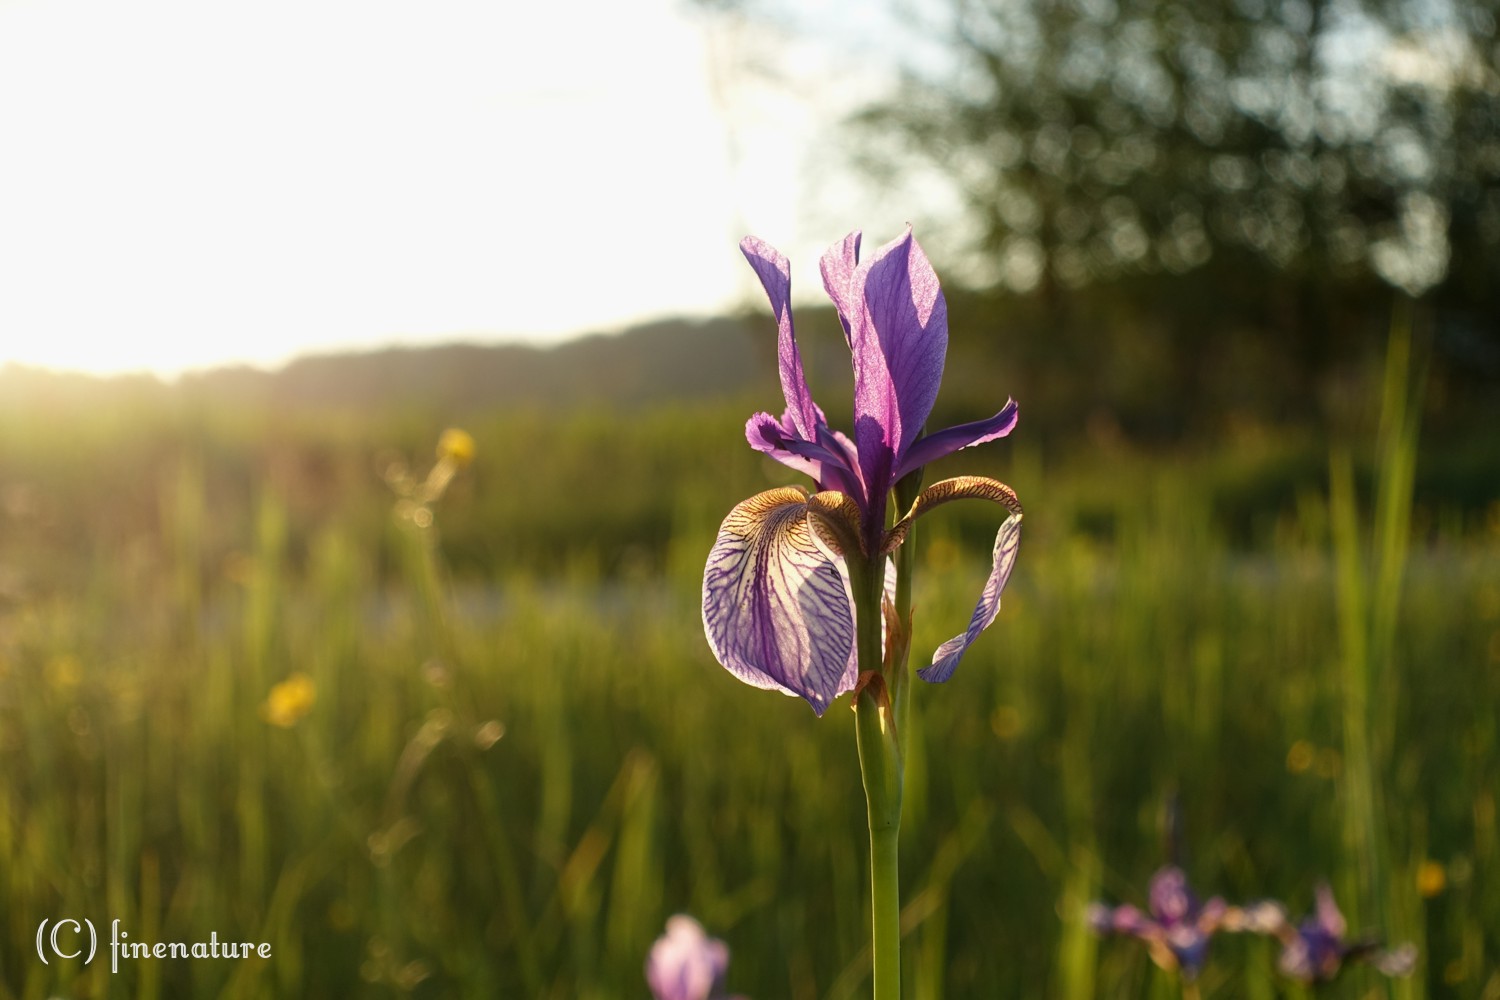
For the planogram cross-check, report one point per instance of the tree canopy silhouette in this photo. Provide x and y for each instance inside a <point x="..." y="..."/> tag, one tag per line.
<point x="1199" y="205"/>
<point x="1096" y="138"/>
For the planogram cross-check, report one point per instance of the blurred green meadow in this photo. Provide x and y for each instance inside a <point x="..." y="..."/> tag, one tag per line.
<point x="478" y="747"/>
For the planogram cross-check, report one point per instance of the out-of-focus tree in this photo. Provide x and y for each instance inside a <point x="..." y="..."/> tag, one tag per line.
<point x="1264" y="165"/>
<point x="1101" y="137"/>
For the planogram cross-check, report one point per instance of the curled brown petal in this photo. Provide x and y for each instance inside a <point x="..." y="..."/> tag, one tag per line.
<point x="939" y="493"/>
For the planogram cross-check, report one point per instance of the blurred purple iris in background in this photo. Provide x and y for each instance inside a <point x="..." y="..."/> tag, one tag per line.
<point x="777" y="607"/>
<point x="686" y="964"/>
<point x="1315" y="950"/>
<point x="1176" y="930"/>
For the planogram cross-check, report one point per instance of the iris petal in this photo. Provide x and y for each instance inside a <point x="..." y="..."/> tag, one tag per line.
<point x="775" y="273"/>
<point x="838" y="265"/>
<point x="945" y="660"/>
<point x="775" y="603"/>
<point x="945" y="442"/>
<point x="948" y="490"/>
<point x="825" y="462"/>
<point x="1007" y="542"/>
<point x="899" y="338"/>
<point x="1328" y="915"/>
<point x="770" y="436"/>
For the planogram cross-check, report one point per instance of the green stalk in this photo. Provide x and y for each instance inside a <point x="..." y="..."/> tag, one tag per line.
<point x="899" y="679"/>
<point x="880" y="764"/>
<point x="881" y="712"/>
<point x="880" y="767"/>
<point x="906" y="493"/>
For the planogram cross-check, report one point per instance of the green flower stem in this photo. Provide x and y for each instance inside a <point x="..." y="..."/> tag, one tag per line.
<point x="898" y="678"/>
<point x="880" y="763"/>
<point x="881" y="712"/>
<point x="905" y="494"/>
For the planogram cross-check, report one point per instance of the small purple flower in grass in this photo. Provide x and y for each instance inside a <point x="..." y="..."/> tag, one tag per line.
<point x="1176" y="930"/>
<point x="686" y="964"/>
<point x="1315" y="950"/>
<point x="777" y="604"/>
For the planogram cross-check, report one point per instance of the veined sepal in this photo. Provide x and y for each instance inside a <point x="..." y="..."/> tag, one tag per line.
<point x="776" y="605"/>
<point x="1002" y="558"/>
<point x="836" y="522"/>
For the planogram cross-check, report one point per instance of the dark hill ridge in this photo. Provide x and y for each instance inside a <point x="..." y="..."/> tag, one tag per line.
<point x="1157" y="367"/>
<point x="656" y="362"/>
<point x="667" y="360"/>
<point x="1106" y="378"/>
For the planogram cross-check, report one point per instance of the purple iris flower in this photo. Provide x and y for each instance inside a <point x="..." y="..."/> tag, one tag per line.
<point x="777" y="606"/>
<point x="1316" y="949"/>
<point x="1178" y="927"/>
<point x="686" y="964"/>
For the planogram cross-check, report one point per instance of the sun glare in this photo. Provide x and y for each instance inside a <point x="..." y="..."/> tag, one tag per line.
<point x="189" y="185"/>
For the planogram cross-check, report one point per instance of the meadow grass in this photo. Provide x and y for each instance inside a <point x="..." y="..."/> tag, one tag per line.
<point x="521" y="757"/>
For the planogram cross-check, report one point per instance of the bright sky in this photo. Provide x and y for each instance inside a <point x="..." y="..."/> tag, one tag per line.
<point x="192" y="182"/>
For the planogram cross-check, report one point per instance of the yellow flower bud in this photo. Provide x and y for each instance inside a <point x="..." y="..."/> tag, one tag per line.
<point x="456" y="446"/>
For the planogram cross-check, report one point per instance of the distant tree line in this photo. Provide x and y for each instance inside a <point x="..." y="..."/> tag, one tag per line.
<point x="1219" y="189"/>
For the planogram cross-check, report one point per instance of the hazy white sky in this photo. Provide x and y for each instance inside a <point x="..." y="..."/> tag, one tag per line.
<point x="192" y="182"/>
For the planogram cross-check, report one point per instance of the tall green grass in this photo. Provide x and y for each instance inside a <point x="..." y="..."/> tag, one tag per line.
<point x="516" y="769"/>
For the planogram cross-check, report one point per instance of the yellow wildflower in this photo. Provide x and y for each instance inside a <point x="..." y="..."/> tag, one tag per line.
<point x="456" y="446"/>
<point x="1432" y="878"/>
<point x="289" y="701"/>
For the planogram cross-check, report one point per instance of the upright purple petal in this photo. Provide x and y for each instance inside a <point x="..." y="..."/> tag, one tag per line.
<point x="838" y="266"/>
<point x="1327" y="912"/>
<point x="945" y="442"/>
<point x="775" y="274"/>
<point x="945" y="660"/>
<point x="1170" y="898"/>
<point x="899" y="339"/>
<point x="775" y="605"/>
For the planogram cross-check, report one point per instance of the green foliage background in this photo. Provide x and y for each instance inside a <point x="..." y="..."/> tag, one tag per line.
<point x="1178" y="625"/>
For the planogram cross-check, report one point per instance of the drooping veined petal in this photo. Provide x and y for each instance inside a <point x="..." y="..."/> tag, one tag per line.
<point x="945" y="659"/>
<point x="775" y="603"/>
<point x="932" y="447"/>
<point x="775" y="273"/>
<point x="1007" y="543"/>
<point x="899" y="339"/>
